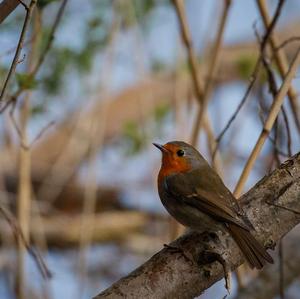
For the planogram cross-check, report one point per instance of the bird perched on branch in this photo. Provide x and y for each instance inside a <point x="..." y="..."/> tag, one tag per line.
<point x="194" y="194"/>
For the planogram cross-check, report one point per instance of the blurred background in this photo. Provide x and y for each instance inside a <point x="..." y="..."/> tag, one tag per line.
<point x="78" y="170"/>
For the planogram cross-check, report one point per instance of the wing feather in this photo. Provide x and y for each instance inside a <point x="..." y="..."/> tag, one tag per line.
<point x="192" y="190"/>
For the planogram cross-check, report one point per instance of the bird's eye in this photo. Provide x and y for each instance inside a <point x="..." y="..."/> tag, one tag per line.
<point x="180" y="153"/>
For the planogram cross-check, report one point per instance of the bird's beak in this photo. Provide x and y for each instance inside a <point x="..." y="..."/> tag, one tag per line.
<point x="160" y="147"/>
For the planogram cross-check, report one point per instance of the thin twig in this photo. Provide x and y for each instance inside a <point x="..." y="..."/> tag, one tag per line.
<point x="195" y="73"/>
<point x="24" y="171"/>
<point x="187" y="40"/>
<point x="51" y="38"/>
<point x="273" y="89"/>
<point x="212" y="69"/>
<point x="275" y="109"/>
<point x="255" y="72"/>
<point x="42" y="131"/>
<point x="24" y="4"/>
<point x="278" y="150"/>
<point x="19" y="235"/>
<point x="239" y="107"/>
<point x="18" y="50"/>
<point x="286" y="42"/>
<point x="14" y="97"/>
<point x="16" y="126"/>
<point x="13" y="49"/>
<point x="271" y="26"/>
<point x="281" y="60"/>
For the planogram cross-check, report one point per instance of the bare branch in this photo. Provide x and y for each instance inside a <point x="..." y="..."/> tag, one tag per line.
<point x="51" y="37"/>
<point x="19" y="235"/>
<point x="213" y="67"/>
<point x="7" y="7"/>
<point x="275" y="109"/>
<point x="187" y="40"/>
<point x="256" y="70"/>
<point x="14" y="97"/>
<point x="281" y="60"/>
<point x="18" y="51"/>
<point x="195" y="71"/>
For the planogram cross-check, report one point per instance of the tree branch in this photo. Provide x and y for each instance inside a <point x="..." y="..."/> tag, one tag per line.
<point x="14" y="63"/>
<point x="7" y="7"/>
<point x="170" y="275"/>
<point x="281" y="60"/>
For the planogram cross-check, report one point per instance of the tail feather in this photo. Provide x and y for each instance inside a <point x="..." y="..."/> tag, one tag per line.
<point x="254" y="252"/>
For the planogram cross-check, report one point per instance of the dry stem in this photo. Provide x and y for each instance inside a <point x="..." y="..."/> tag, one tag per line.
<point x="281" y="60"/>
<point x="275" y="109"/>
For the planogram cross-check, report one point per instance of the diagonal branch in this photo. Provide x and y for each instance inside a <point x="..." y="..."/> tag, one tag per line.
<point x="14" y="63"/>
<point x="13" y="98"/>
<point x="192" y="57"/>
<point x="212" y="71"/>
<point x="170" y="275"/>
<point x="281" y="61"/>
<point x="195" y="73"/>
<point x="275" y="109"/>
<point x="256" y="70"/>
<point x="7" y="7"/>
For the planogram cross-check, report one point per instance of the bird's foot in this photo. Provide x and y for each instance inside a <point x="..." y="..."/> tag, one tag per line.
<point x="177" y="249"/>
<point x="210" y="237"/>
<point x="208" y="257"/>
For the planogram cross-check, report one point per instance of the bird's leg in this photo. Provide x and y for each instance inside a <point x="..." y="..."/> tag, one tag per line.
<point x="208" y="257"/>
<point x="177" y="249"/>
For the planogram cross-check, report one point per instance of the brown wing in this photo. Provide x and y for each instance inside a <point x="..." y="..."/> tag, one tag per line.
<point x="206" y="193"/>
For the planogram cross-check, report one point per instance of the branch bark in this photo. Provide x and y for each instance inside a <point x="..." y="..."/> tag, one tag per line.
<point x="171" y="275"/>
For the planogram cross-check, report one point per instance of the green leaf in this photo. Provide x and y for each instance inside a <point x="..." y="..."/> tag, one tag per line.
<point x="134" y="136"/>
<point x="43" y="3"/>
<point x="157" y="66"/>
<point x="26" y="81"/>
<point x="161" y="111"/>
<point x="37" y="109"/>
<point x="245" y="65"/>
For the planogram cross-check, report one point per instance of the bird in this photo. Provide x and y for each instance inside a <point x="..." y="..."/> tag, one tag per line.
<point x="194" y="194"/>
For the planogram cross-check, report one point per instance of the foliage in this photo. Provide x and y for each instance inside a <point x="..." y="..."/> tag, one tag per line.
<point x="26" y="81"/>
<point x="43" y="3"/>
<point x="245" y="65"/>
<point x="157" y="66"/>
<point x="160" y="112"/>
<point x="134" y="137"/>
<point x="37" y="109"/>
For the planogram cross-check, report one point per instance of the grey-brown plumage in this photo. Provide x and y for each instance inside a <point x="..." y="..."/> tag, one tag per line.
<point x="195" y="195"/>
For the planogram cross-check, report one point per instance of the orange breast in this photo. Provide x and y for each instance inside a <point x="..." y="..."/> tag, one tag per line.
<point x="171" y="165"/>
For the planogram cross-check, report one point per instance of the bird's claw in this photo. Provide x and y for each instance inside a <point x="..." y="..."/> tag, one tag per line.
<point x="176" y="249"/>
<point x="208" y="257"/>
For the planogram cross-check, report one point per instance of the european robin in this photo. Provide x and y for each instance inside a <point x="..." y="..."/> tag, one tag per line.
<point x="194" y="194"/>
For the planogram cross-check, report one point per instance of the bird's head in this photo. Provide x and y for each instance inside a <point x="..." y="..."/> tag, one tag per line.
<point x="178" y="156"/>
